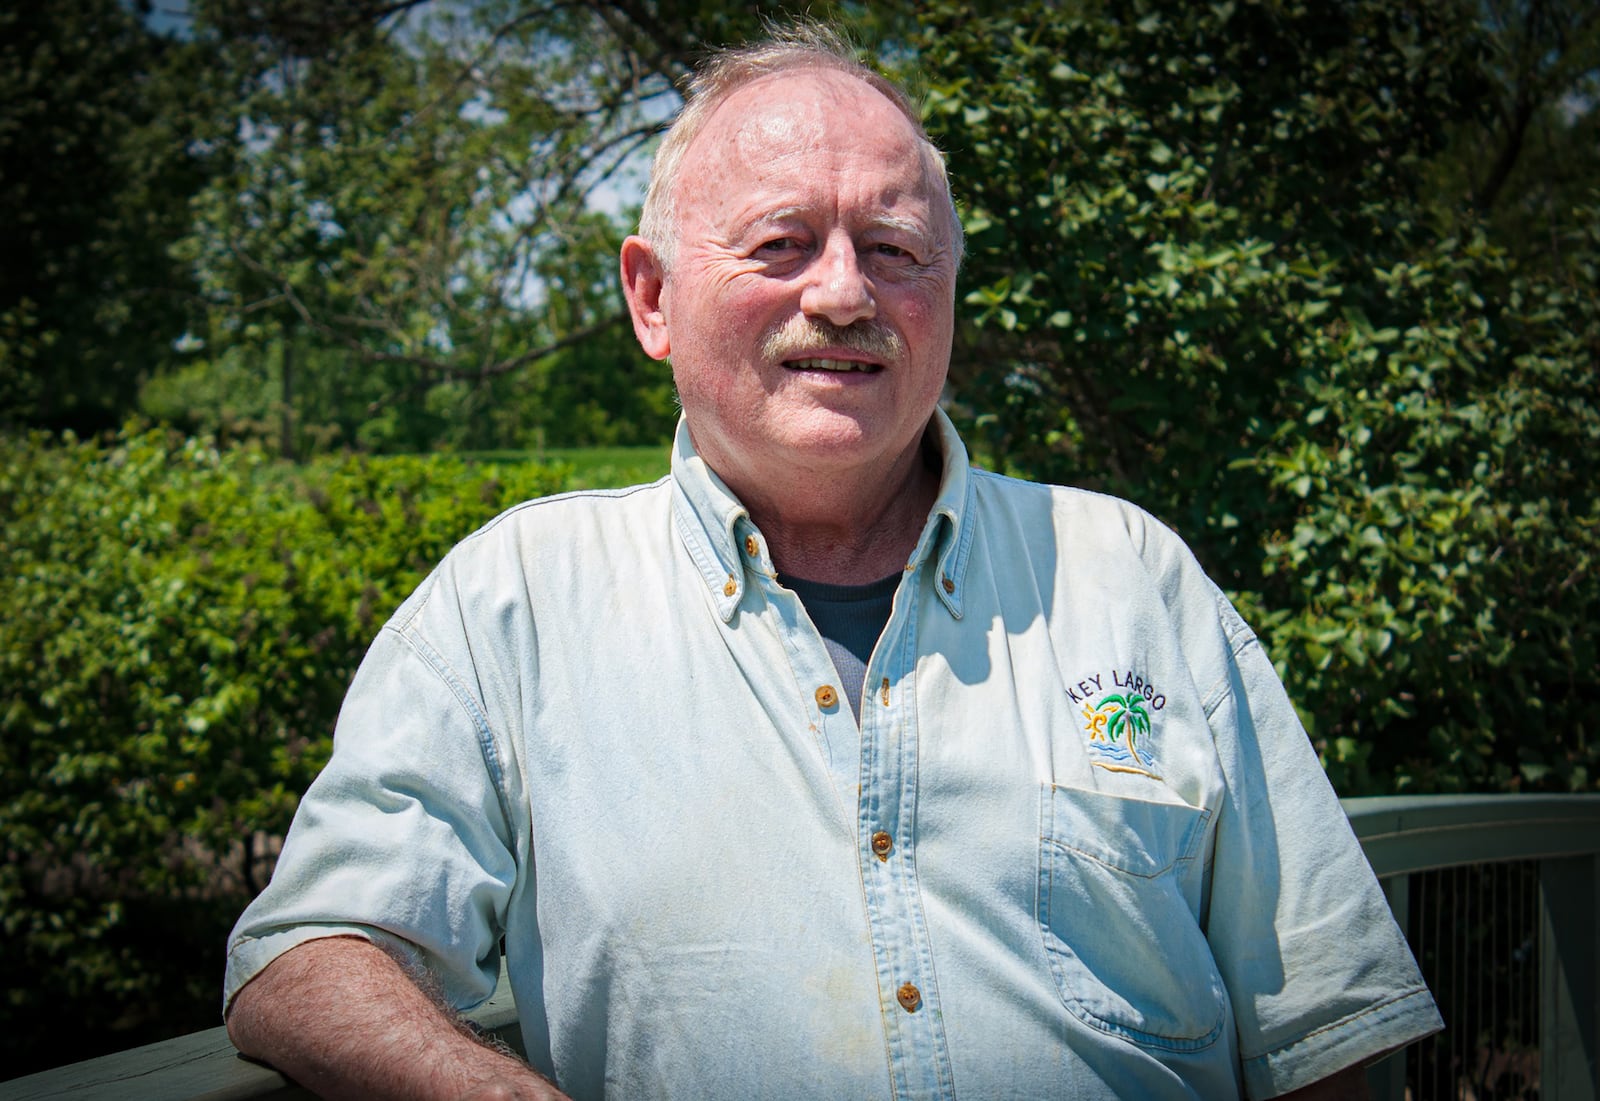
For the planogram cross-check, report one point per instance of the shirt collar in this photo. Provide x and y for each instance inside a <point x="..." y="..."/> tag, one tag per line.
<point x="716" y="528"/>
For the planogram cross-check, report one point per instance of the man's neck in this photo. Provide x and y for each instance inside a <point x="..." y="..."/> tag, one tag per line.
<point x="847" y="534"/>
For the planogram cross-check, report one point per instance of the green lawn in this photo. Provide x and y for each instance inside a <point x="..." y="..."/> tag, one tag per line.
<point x="604" y="467"/>
<point x="593" y="467"/>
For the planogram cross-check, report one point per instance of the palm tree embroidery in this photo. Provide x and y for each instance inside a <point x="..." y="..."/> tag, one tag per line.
<point x="1117" y="715"/>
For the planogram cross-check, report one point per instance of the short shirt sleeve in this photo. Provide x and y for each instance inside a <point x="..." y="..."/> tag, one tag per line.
<point x="403" y="837"/>
<point x="1319" y="974"/>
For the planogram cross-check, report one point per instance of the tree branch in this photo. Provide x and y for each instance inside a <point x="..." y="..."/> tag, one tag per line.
<point x="437" y="368"/>
<point x="487" y="371"/>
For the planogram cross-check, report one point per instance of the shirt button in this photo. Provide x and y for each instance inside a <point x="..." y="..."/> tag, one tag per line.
<point x="949" y="586"/>
<point x="826" y="696"/>
<point x="731" y="587"/>
<point x="909" y="997"/>
<point x="882" y="845"/>
<point x="751" y="547"/>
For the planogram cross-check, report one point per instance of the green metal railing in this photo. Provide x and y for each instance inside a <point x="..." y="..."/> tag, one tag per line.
<point x="1499" y="894"/>
<point x="1500" y="898"/>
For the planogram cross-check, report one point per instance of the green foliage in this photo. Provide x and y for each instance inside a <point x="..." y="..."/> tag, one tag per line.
<point x="1204" y="270"/>
<point x="388" y="226"/>
<point x="405" y="252"/>
<point x="1435" y="529"/>
<point x="1147" y="190"/>
<point x="181" y="626"/>
<point x="95" y="174"/>
<point x="1524" y="164"/>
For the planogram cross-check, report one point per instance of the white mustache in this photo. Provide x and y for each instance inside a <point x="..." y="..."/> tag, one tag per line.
<point x="801" y="336"/>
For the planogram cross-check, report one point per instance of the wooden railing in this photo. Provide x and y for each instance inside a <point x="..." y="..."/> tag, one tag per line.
<point x="1557" y="837"/>
<point x="204" y="1066"/>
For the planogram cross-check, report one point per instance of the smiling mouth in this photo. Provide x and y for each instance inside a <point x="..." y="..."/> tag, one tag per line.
<point x="838" y="366"/>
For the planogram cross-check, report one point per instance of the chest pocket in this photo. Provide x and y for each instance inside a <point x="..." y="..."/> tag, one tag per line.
<point x="1124" y="945"/>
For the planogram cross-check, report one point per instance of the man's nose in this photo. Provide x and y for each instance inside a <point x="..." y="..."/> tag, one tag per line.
<point x="836" y="288"/>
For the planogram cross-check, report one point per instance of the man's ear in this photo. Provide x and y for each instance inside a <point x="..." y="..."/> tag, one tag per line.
<point x="642" y="281"/>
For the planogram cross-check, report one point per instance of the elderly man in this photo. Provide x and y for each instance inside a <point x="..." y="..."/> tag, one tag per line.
<point x="826" y="766"/>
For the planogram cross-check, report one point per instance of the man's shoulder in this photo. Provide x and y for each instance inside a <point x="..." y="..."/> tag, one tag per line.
<point x="568" y="518"/>
<point x="1092" y="538"/>
<point x="1084" y="511"/>
<point x="547" y="541"/>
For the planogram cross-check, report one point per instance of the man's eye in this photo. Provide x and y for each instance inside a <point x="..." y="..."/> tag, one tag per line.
<point x="778" y="244"/>
<point x="892" y="251"/>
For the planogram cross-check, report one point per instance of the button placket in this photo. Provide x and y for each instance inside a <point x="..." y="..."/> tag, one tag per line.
<point x="920" y="1057"/>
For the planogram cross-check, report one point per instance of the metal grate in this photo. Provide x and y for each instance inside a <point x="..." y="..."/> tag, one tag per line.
<point x="1475" y="931"/>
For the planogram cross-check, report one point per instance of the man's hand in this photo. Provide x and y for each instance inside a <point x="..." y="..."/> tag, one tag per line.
<point x="343" y="1019"/>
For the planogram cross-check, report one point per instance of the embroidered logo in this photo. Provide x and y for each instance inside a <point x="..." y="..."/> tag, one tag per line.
<point x="1119" y="723"/>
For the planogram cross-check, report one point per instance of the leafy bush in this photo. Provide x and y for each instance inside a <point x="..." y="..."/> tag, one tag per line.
<point x="1430" y="527"/>
<point x="181" y="624"/>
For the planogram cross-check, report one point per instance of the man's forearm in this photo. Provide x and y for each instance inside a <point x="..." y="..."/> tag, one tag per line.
<point x="343" y="1019"/>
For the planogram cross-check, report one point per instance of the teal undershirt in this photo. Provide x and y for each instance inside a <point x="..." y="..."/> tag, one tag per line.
<point x="850" y="618"/>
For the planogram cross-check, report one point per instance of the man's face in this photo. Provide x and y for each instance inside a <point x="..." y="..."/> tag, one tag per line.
<point x="809" y="309"/>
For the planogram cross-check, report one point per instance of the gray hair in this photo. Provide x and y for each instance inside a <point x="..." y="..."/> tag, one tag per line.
<point x="798" y="46"/>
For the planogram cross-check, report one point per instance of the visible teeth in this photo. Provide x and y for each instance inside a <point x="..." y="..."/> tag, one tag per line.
<point x="827" y="365"/>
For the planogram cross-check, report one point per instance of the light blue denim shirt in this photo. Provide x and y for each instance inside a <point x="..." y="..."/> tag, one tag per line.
<point x="1078" y="847"/>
